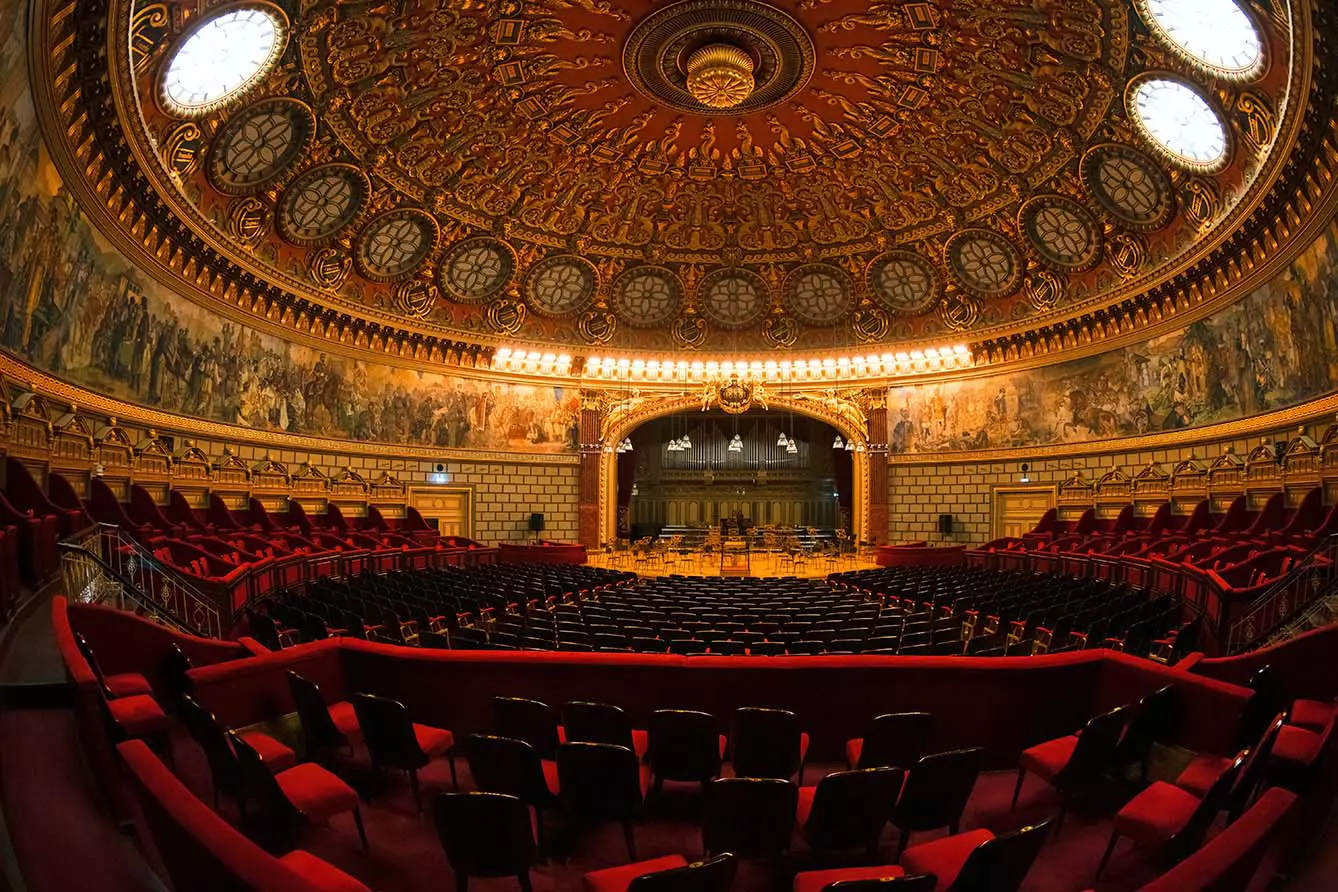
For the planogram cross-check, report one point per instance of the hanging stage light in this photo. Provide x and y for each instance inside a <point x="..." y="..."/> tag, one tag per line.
<point x="850" y="445"/>
<point x="736" y="444"/>
<point x="838" y="443"/>
<point x="685" y="441"/>
<point x="792" y="448"/>
<point x="626" y="444"/>
<point x="781" y="441"/>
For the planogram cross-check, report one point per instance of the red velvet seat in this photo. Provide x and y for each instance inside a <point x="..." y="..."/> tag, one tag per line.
<point x="307" y="792"/>
<point x="817" y="880"/>
<point x="1312" y="715"/>
<point x="320" y="874"/>
<point x="394" y="741"/>
<point x="1299" y="746"/>
<point x="617" y="879"/>
<point x="127" y="684"/>
<point x="1076" y="763"/>
<point x="1202" y="772"/>
<point x="138" y="716"/>
<point x="277" y="755"/>
<point x="315" y="792"/>
<point x="945" y="857"/>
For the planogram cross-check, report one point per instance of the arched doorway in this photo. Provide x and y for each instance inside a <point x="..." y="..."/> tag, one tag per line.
<point x="846" y="471"/>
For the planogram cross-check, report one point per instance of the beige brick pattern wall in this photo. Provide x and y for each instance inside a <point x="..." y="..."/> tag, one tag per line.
<point x="918" y="493"/>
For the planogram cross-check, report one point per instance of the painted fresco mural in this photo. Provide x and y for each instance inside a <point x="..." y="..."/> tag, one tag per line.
<point x="70" y="304"/>
<point x="1276" y="348"/>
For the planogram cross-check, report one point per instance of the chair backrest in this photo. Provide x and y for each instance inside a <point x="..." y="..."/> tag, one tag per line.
<point x="528" y="720"/>
<point x="937" y="788"/>
<point x="387" y="732"/>
<point x="749" y="816"/>
<point x="851" y="807"/>
<point x="599" y="781"/>
<point x="1002" y="863"/>
<point x="1094" y="752"/>
<point x="87" y="650"/>
<point x="708" y="875"/>
<point x="1252" y="771"/>
<point x="278" y="817"/>
<point x="920" y="882"/>
<point x="684" y="745"/>
<point x="1154" y="718"/>
<point x="896" y="740"/>
<point x="317" y="726"/>
<point x="507" y="765"/>
<point x="1268" y="700"/>
<point x="205" y="730"/>
<point x="587" y="722"/>
<point x="765" y="743"/>
<point x="485" y="834"/>
<point x="1190" y="836"/>
<point x="176" y="665"/>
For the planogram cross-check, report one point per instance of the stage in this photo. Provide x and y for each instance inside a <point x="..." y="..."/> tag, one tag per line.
<point x="759" y="563"/>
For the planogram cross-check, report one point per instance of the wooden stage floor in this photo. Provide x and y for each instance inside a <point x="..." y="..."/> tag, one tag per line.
<point x="762" y="564"/>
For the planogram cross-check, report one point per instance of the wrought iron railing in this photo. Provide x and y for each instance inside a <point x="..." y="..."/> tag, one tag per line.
<point x="102" y="565"/>
<point x="1314" y="577"/>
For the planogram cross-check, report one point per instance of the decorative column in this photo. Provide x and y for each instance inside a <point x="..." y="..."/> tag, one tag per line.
<point x="875" y="418"/>
<point x="588" y="441"/>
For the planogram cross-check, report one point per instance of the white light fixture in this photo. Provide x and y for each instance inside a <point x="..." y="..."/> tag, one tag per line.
<point x="627" y="444"/>
<point x="685" y="441"/>
<point x="838" y="443"/>
<point x="781" y="441"/>
<point x="736" y="444"/>
<point x="850" y="445"/>
<point x="791" y="448"/>
<point x="1025" y="478"/>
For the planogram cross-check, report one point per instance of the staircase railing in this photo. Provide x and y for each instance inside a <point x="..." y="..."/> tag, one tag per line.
<point x="102" y="565"/>
<point x="1314" y="577"/>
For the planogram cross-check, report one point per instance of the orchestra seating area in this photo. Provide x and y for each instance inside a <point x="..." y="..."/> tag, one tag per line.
<point x="1055" y="774"/>
<point x="891" y="610"/>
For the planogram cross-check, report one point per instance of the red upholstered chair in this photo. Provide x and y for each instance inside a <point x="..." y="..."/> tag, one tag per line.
<point x="224" y="769"/>
<point x="1172" y="819"/>
<point x="599" y="783"/>
<point x="1297" y="753"/>
<point x="393" y="740"/>
<point x="1267" y="700"/>
<point x="1075" y="764"/>
<point x="528" y="720"/>
<point x="290" y="798"/>
<point x="124" y="684"/>
<point x="485" y="835"/>
<point x="684" y="746"/>
<point x="586" y="722"/>
<point x="767" y="743"/>
<point x="748" y="816"/>
<point x="894" y="740"/>
<point x="978" y="861"/>
<point x="324" y="728"/>
<point x="671" y="873"/>
<point x="504" y="765"/>
<point x="847" y="810"/>
<point x="1154" y="718"/>
<point x="935" y="794"/>
<point x="1312" y="715"/>
<point x="138" y="718"/>
<point x="1204" y="769"/>
<point x="887" y="878"/>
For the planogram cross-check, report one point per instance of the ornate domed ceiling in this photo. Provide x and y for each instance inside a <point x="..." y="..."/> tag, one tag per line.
<point x="727" y="176"/>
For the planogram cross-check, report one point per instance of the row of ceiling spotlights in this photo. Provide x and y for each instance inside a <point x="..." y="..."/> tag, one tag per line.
<point x="927" y="360"/>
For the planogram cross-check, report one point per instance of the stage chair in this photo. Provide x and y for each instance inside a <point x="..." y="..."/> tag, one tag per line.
<point x="847" y="809"/>
<point x="894" y="740"/>
<point x="393" y="740"/>
<point x="589" y="722"/>
<point x="289" y="798"/>
<point x="978" y="861"/>
<point x="123" y="684"/>
<point x="1073" y="765"/>
<point x="599" y="783"/>
<point x="684" y="746"/>
<point x="529" y="720"/>
<point x="1172" y="819"/>
<point x="750" y="817"/>
<point x="485" y="835"/>
<point x="671" y="873"/>
<point x="935" y="794"/>
<point x="324" y="728"/>
<point x="224" y="770"/>
<point x="767" y="743"/>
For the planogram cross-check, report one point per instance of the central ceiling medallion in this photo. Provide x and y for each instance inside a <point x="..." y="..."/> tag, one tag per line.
<point x="718" y="57"/>
<point x="720" y="75"/>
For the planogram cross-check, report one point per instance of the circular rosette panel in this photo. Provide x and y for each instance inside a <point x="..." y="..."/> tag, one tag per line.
<point x="1062" y="232"/>
<point x="321" y="202"/>
<point x="647" y="296"/>
<point x="819" y="294"/>
<point x="733" y="298"/>
<point x="904" y="282"/>
<point x="258" y="144"/>
<point x="560" y="285"/>
<point x="1129" y="185"/>
<point x="476" y="269"/>
<point x="984" y="262"/>
<point x="393" y="245"/>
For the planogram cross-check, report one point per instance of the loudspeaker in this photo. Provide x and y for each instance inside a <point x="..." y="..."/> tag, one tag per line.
<point x="945" y="524"/>
<point x="536" y="523"/>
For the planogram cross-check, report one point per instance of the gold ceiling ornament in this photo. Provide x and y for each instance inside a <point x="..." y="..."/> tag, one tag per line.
<point x="734" y="395"/>
<point x="720" y="75"/>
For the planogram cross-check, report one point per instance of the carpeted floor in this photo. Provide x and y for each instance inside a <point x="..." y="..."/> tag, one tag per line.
<point x="405" y="855"/>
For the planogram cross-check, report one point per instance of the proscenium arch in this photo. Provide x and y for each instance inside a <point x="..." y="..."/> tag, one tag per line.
<point x="620" y="424"/>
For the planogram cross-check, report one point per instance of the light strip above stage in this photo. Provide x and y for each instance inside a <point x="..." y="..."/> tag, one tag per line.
<point x="831" y="368"/>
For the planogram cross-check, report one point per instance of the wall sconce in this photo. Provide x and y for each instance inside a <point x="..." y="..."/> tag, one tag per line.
<point x="1025" y="478"/>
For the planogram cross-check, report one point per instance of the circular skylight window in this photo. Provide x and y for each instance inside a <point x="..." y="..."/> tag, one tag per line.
<point x="1179" y="121"/>
<point x="222" y="58"/>
<point x="1216" y="34"/>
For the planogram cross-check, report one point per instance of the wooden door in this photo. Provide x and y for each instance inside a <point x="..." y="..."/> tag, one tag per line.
<point x="1018" y="508"/>
<point x="452" y="506"/>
